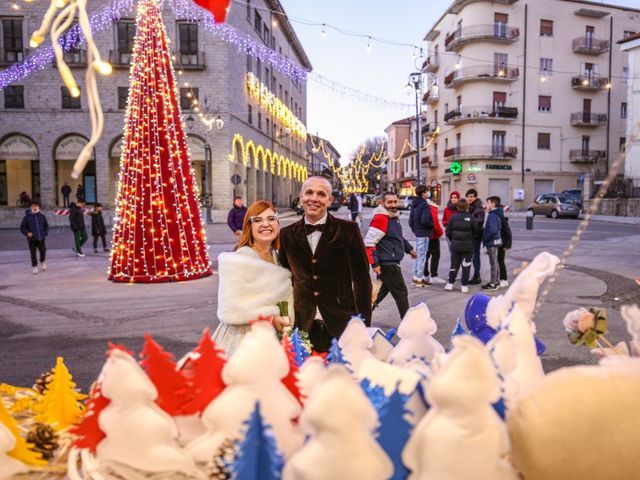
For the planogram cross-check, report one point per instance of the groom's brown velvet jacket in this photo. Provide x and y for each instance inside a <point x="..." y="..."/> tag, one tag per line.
<point x="335" y="279"/>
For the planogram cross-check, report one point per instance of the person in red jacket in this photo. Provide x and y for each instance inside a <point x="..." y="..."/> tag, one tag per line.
<point x="433" y="251"/>
<point x="450" y="209"/>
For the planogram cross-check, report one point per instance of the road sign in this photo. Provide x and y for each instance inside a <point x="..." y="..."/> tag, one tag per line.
<point x="236" y="179"/>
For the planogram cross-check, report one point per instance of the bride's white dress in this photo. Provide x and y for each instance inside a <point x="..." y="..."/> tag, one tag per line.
<point x="248" y="287"/>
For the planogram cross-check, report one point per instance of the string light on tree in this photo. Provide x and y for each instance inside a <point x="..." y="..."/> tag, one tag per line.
<point x="159" y="235"/>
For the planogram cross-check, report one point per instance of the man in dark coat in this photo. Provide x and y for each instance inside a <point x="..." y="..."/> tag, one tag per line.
<point x="76" y="221"/>
<point x="421" y="223"/>
<point x="79" y="193"/>
<point x="329" y="267"/>
<point x="66" y="191"/>
<point x="35" y="227"/>
<point x="236" y="216"/>
<point x="462" y="231"/>
<point x="98" y="229"/>
<point x="476" y="209"/>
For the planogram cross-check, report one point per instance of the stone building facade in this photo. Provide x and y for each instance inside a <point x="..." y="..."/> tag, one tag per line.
<point x="42" y="129"/>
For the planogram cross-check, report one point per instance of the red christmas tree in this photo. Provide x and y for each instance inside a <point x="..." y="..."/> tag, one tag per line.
<point x="291" y="380"/>
<point x="88" y="431"/>
<point x="205" y="374"/>
<point x="160" y="365"/>
<point x="159" y="235"/>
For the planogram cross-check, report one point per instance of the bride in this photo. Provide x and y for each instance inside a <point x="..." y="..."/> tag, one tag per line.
<point x="251" y="283"/>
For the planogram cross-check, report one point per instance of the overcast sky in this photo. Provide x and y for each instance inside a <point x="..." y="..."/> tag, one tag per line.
<point x="383" y="71"/>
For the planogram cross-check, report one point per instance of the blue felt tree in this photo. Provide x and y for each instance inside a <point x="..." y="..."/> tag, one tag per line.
<point x="258" y="458"/>
<point x="335" y="353"/>
<point x="459" y="329"/>
<point x="299" y="349"/>
<point x="375" y="394"/>
<point x="394" y="432"/>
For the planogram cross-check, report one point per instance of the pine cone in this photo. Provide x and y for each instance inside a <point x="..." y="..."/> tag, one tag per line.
<point x="220" y="466"/>
<point x="42" y="384"/>
<point x="44" y="440"/>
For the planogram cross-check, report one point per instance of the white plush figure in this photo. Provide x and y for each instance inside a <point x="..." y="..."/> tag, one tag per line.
<point x="138" y="432"/>
<point x="631" y="315"/>
<point x="416" y="337"/>
<point x="311" y="374"/>
<point x="341" y="423"/>
<point x="503" y="352"/>
<point x="8" y="466"/>
<point x="355" y="343"/>
<point x="461" y="437"/>
<point x="252" y="374"/>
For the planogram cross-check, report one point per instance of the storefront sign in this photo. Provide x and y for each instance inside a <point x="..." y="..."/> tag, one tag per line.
<point x="474" y="168"/>
<point x="18" y="147"/>
<point x="69" y="148"/>
<point x="490" y="166"/>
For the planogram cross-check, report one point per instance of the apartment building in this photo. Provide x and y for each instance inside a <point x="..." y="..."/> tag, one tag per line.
<point x="631" y="45"/>
<point x="530" y="96"/>
<point x="42" y="128"/>
<point x="401" y="156"/>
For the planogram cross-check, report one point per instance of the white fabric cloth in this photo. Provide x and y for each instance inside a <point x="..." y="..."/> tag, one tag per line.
<point x="359" y="198"/>
<point x="249" y="287"/>
<point x="314" y="239"/>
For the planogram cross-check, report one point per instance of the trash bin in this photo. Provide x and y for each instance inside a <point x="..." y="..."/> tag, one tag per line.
<point x="529" y="219"/>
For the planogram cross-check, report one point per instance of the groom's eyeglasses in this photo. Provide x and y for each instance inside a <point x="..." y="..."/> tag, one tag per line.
<point x="272" y="219"/>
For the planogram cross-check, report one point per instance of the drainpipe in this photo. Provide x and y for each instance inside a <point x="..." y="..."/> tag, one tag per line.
<point x="606" y="163"/>
<point x="524" y="91"/>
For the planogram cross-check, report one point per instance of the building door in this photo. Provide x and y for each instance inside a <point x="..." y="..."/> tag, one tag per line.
<point x="542" y="186"/>
<point x="3" y="183"/>
<point x="500" y="21"/>
<point x="499" y="100"/>
<point x="500" y="62"/>
<point x="586" y="141"/>
<point x="35" y="179"/>
<point x="89" y="182"/>
<point x="586" y="110"/>
<point x="499" y="187"/>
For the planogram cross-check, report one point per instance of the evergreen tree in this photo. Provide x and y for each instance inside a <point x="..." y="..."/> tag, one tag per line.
<point x="291" y="380"/>
<point x="335" y="353"/>
<point x="394" y="432"/>
<point x="88" y="432"/>
<point x="299" y="347"/>
<point x="22" y="451"/>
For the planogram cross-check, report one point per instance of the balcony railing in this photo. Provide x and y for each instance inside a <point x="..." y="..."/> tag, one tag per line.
<point x="9" y="57"/>
<point x="587" y="156"/>
<point x="588" y="119"/>
<point x="458" y="5"/>
<point x="120" y="60"/>
<point x="496" y="73"/>
<point x="492" y="152"/>
<point x="432" y="96"/>
<point x="498" y="114"/>
<point x="431" y="64"/>
<point x="497" y="32"/>
<point x="429" y="127"/>
<point x="190" y="60"/>
<point x="591" y="82"/>
<point x="590" y="45"/>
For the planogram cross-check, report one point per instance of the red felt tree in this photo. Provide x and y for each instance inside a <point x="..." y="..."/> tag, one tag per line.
<point x="204" y="373"/>
<point x="291" y="380"/>
<point x="160" y="365"/>
<point x="159" y="235"/>
<point x="88" y="432"/>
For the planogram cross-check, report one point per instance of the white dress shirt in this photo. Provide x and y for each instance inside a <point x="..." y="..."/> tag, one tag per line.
<point x="314" y="239"/>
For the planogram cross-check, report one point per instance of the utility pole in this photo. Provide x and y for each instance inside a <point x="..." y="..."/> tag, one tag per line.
<point x="416" y="79"/>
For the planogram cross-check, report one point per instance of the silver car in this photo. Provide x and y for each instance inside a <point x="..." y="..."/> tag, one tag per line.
<point x="555" y="205"/>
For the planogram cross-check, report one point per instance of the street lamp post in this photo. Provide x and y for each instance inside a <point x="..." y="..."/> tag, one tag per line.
<point x="415" y="81"/>
<point x="208" y="200"/>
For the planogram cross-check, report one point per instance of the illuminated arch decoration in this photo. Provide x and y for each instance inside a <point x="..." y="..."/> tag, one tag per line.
<point x="265" y="159"/>
<point x="269" y="102"/>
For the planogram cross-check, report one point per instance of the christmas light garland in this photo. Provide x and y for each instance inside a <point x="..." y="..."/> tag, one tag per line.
<point x="271" y="162"/>
<point x="270" y="103"/>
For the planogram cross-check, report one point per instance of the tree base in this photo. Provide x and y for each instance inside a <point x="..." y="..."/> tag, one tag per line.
<point x="150" y="279"/>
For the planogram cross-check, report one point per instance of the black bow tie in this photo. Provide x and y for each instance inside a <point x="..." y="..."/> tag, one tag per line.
<point x="309" y="229"/>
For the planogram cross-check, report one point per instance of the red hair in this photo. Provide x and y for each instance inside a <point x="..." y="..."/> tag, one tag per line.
<point x="256" y="208"/>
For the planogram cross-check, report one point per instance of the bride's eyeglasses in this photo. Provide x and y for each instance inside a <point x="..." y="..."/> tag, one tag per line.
<point x="272" y="219"/>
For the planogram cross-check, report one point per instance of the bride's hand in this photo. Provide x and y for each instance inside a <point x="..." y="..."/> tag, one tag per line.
<point x="281" y="323"/>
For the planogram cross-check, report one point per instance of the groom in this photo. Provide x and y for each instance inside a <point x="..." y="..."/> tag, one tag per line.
<point x="329" y="266"/>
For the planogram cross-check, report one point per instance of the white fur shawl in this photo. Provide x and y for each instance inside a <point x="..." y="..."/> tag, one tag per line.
<point x="249" y="287"/>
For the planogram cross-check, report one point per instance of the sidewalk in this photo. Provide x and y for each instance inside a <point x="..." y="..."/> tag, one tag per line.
<point x="594" y="218"/>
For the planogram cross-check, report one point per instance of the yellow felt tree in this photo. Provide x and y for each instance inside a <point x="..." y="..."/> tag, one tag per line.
<point x="22" y="451"/>
<point x="60" y="405"/>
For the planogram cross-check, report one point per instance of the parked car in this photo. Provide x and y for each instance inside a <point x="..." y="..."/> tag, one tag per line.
<point x="407" y="202"/>
<point x="575" y="194"/>
<point x="554" y="205"/>
<point x="335" y="205"/>
<point x="368" y="200"/>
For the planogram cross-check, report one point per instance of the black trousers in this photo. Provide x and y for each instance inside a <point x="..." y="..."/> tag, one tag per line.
<point x="501" y="264"/>
<point x="354" y="215"/>
<point x="95" y="241"/>
<point x="41" y="247"/>
<point x="458" y="259"/>
<point x="393" y="282"/>
<point x="433" y="254"/>
<point x="320" y="337"/>
<point x="477" y="246"/>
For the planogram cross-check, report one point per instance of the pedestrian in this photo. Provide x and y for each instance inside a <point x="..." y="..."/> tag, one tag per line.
<point x="433" y="250"/>
<point x="353" y="207"/>
<point x="492" y="241"/>
<point x="76" y="220"/>
<point x="66" y="191"/>
<point x="35" y="227"/>
<point x="385" y="248"/>
<point x="79" y="192"/>
<point x="24" y="199"/>
<point x="462" y="230"/>
<point x="98" y="229"/>
<point x="421" y="223"/>
<point x="235" y="218"/>
<point x="477" y="212"/>
<point x="507" y="239"/>
<point x="451" y="207"/>
<point x="329" y="267"/>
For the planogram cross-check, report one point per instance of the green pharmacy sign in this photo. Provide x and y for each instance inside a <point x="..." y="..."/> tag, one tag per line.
<point x="456" y="168"/>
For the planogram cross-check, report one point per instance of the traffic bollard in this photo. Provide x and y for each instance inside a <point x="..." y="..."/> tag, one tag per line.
<point x="529" y="219"/>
